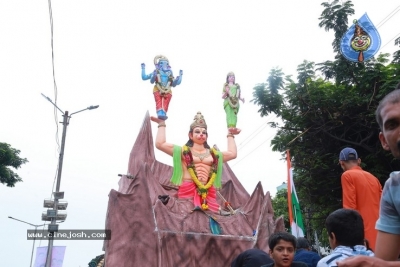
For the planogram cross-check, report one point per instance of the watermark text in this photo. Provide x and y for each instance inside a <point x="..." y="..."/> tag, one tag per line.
<point x="70" y="234"/>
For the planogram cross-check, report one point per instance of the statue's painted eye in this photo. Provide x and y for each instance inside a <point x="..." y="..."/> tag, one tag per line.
<point x="356" y="39"/>
<point x="364" y="37"/>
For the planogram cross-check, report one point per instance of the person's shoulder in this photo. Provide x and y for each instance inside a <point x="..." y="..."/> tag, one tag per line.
<point x="315" y="255"/>
<point x="303" y="252"/>
<point x="392" y="184"/>
<point x="268" y="265"/>
<point x="369" y="174"/>
<point x="298" y="264"/>
<point x="330" y="260"/>
<point x="350" y="173"/>
<point x="394" y="179"/>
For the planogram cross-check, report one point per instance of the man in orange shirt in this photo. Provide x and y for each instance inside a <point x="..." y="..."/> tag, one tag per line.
<point x="361" y="191"/>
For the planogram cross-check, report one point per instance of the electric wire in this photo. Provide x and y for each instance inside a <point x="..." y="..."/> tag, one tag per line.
<point x="386" y="19"/>
<point x="261" y="126"/>
<point x="390" y="40"/>
<point x="382" y="22"/>
<point x="269" y="138"/>
<point x="255" y="133"/>
<point x="243" y="144"/>
<point x="55" y="92"/>
<point x="252" y="135"/>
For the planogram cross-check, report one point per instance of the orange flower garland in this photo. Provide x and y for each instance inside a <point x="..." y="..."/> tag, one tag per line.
<point x="201" y="189"/>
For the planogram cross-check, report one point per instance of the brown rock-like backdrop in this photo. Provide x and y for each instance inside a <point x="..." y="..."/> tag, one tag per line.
<point x="145" y="232"/>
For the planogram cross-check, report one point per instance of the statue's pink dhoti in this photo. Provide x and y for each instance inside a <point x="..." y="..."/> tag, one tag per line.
<point x="189" y="190"/>
<point x="162" y="100"/>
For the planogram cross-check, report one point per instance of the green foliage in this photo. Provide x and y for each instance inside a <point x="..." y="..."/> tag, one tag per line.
<point x="334" y="17"/>
<point x="267" y="94"/>
<point x="321" y="114"/>
<point x="9" y="157"/>
<point x="280" y="206"/>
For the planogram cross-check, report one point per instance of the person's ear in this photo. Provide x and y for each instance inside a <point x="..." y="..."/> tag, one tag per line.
<point x="342" y="164"/>
<point x="333" y="237"/>
<point x="383" y="141"/>
<point x="359" y="162"/>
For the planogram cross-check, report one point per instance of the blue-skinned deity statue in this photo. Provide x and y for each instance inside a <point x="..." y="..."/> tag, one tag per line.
<point x="163" y="80"/>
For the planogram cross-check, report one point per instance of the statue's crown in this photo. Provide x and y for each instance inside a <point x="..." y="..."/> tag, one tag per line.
<point x="158" y="58"/>
<point x="198" y="121"/>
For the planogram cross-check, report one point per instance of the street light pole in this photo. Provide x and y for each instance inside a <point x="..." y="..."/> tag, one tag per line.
<point x="60" y="165"/>
<point x="34" y="237"/>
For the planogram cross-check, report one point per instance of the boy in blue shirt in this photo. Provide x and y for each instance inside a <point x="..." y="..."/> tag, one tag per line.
<point x="346" y="236"/>
<point x="282" y="247"/>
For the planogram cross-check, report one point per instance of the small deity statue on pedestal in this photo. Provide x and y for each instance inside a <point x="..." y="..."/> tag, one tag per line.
<point x="231" y="95"/>
<point x="163" y="78"/>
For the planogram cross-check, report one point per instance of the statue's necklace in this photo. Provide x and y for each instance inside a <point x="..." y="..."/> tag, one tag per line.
<point x="201" y="156"/>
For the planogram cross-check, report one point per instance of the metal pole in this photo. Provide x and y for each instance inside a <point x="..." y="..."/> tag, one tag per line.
<point x="33" y="247"/>
<point x="34" y="237"/>
<point x="60" y="163"/>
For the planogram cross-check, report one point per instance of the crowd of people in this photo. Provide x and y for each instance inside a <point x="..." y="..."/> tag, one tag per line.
<point x="346" y="238"/>
<point x="366" y="231"/>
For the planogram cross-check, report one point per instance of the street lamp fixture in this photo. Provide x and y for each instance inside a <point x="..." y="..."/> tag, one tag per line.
<point x="61" y="205"/>
<point x="51" y="215"/>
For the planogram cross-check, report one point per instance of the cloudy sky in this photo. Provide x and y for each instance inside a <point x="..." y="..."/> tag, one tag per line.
<point x="98" y="48"/>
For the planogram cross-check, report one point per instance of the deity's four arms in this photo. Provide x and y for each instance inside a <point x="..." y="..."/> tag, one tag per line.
<point x="163" y="78"/>
<point x="231" y="94"/>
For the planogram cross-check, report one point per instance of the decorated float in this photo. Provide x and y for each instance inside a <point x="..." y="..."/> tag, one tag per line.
<point x="194" y="213"/>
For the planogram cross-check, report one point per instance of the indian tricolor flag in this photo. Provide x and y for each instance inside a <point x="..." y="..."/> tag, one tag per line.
<point x="295" y="219"/>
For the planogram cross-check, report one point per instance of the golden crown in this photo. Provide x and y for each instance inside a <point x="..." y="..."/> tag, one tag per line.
<point x="198" y="121"/>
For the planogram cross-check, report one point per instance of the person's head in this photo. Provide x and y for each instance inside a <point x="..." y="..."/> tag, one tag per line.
<point x="388" y="118"/>
<point x="230" y="77"/>
<point x="345" y="228"/>
<point x="282" y="247"/>
<point x="348" y="158"/>
<point x="198" y="131"/>
<point x="302" y="243"/>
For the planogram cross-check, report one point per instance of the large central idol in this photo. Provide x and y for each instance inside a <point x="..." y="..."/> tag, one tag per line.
<point x="197" y="166"/>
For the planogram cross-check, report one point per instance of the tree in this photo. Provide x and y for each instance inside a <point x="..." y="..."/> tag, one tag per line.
<point x="329" y="106"/>
<point x="280" y="206"/>
<point x="9" y="157"/>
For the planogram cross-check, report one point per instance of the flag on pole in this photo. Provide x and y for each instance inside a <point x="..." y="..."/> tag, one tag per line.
<point x="295" y="218"/>
<point x="57" y="256"/>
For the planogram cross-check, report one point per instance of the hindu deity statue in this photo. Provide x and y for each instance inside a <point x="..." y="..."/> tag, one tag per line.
<point x="163" y="79"/>
<point x="231" y="94"/>
<point x="197" y="167"/>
